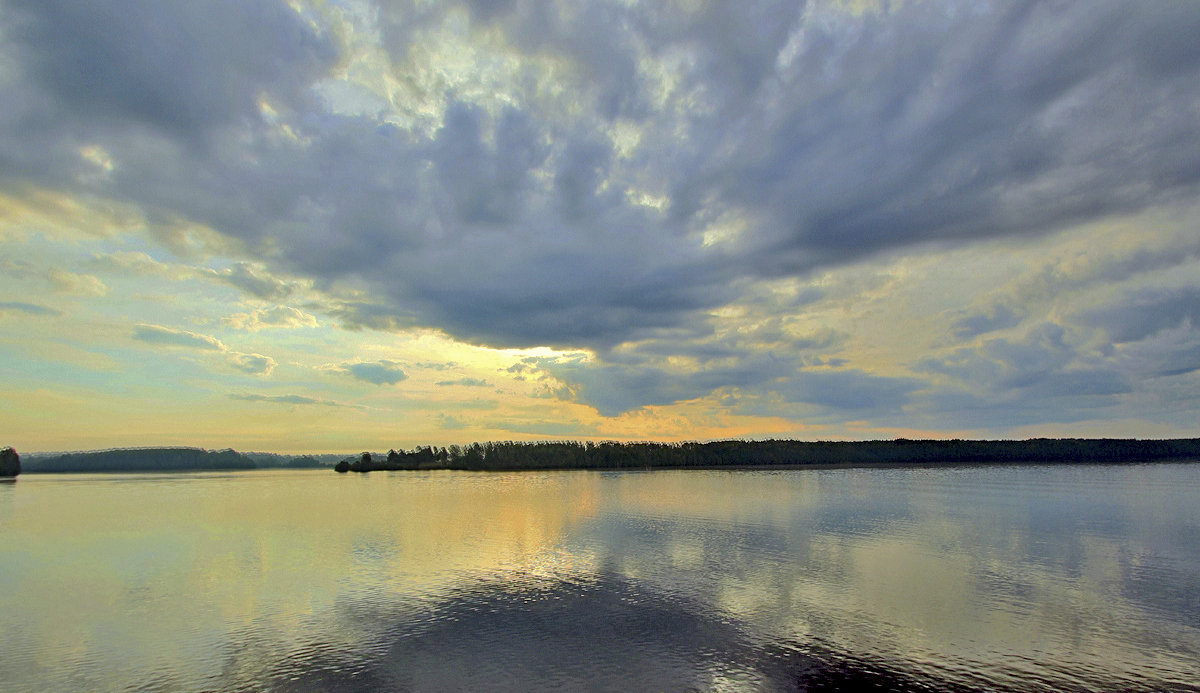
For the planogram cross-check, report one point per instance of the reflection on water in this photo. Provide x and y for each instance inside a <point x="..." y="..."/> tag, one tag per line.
<point x="1021" y="578"/>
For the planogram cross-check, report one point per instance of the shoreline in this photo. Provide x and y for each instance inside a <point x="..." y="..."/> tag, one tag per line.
<point x="798" y="466"/>
<point x="772" y="454"/>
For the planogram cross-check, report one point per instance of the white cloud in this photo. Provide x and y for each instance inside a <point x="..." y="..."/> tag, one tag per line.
<point x="77" y="284"/>
<point x="253" y="364"/>
<point x="284" y="317"/>
<point x="166" y="336"/>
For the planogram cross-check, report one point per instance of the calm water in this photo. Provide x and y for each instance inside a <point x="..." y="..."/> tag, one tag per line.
<point x="1021" y="578"/>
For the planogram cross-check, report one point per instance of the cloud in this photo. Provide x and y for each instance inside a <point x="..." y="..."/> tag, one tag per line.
<point x="1148" y="311"/>
<point x="1153" y="330"/>
<point x="823" y="136"/>
<point x="165" y="336"/>
<point x="1047" y="374"/>
<point x="254" y="281"/>
<point x="609" y="177"/>
<point x="140" y="264"/>
<point x="382" y="372"/>
<point x="254" y="364"/>
<point x="173" y="66"/>
<point x="278" y="317"/>
<point x="450" y="423"/>
<point x="289" y="399"/>
<point x="850" y="390"/>
<point x="614" y="389"/>
<point x="28" y="308"/>
<point x="556" y="429"/>
<point x="997" y="317"/>
<point x="77" y="284"/>
<point x="464" y="382"/>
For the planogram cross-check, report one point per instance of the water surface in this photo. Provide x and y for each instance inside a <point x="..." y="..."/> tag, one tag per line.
<point x="1073" y="577"/>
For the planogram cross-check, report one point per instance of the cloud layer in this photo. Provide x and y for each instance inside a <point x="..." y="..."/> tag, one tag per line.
<point x="677" y="190"/>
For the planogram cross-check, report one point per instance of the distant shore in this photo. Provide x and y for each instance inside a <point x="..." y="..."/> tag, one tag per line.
<point x="165" y="460"/>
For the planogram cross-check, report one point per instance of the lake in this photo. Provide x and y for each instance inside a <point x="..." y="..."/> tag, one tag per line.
<point x="1029" y="578"/>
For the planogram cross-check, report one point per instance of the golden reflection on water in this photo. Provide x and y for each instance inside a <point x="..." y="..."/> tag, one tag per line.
<point x="108" y="580"/>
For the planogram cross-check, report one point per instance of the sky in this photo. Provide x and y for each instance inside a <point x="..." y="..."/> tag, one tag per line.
<point x="341" y="225"/>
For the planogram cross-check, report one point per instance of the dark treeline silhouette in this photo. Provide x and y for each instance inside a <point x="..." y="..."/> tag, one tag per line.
<point x="769" y="453"/>
<point x="10" y="462"/>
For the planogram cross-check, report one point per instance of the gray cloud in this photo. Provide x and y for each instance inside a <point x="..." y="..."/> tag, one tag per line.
<point x="380" y="372"/>
<point x="850" y="390"/>
<point x="288" y="399"/>
<point x="996" y="317"/>
<point x="255" y="282"/>
<point x="175" y="66"/>
<point x="616" y="388"/>
<point x="450" y="423"/>
<point x="28" y="308"/>
<point x="1048" y="374"/>
<point x="165" y="336"/>
<point x="465" y="382"/>
<point x="1148" y="311"/>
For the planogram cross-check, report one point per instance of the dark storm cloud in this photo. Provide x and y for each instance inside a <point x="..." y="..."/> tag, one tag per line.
<point x="828" y="137"/>
<point x="176" y="66"/>
<point x="933" y="125"/>
<point x="486" y="184"/>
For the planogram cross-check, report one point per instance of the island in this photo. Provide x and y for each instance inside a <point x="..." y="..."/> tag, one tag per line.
<point x="767" y="454"/>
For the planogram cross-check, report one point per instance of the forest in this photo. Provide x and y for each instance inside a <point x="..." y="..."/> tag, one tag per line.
<point x="509" y="455"/>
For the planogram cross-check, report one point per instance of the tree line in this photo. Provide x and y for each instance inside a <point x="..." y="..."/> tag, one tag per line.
<point x="510" y="455"/>
<point x="10" y="462"/>
<point x="169" y="459"/>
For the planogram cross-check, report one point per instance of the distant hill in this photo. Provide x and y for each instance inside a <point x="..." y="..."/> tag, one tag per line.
<point x="180" y="459"/>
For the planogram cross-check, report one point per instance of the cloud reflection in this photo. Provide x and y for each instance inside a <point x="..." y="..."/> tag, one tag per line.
<point x="1002" y="578"/>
